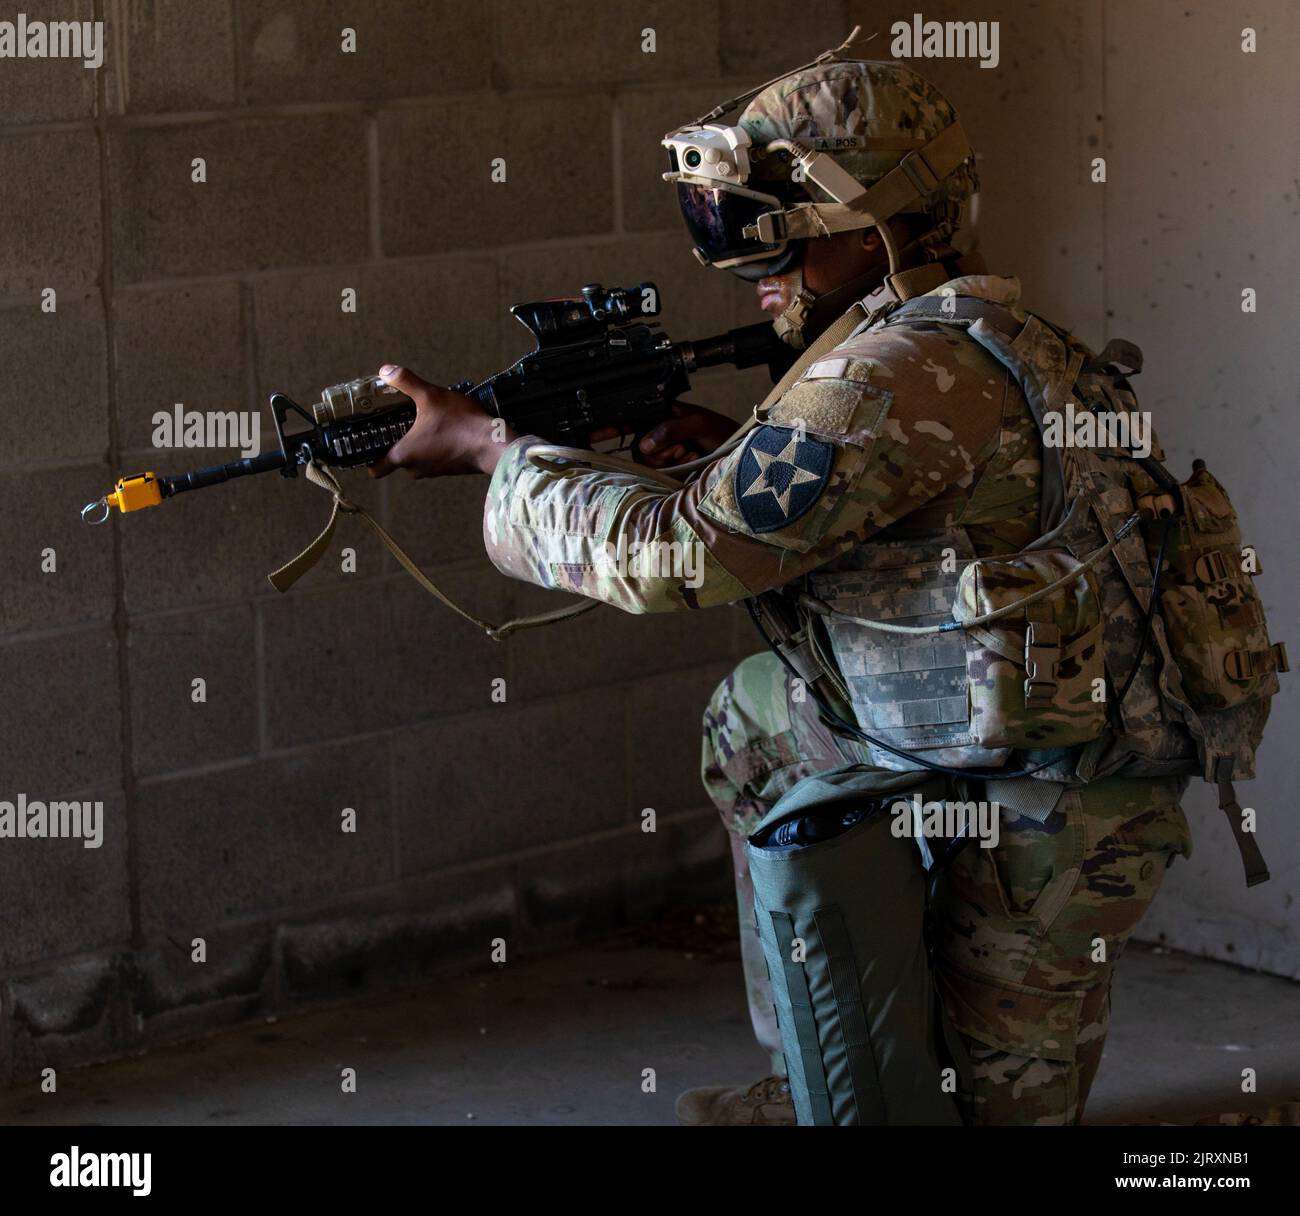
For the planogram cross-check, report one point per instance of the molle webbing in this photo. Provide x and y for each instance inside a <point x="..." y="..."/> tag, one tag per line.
<point x="910" y="690"/>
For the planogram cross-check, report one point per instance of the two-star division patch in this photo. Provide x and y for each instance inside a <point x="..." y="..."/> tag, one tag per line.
<point x="779" y="475"/>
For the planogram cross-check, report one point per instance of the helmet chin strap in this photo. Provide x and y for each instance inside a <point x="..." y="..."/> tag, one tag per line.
<point x="808" y="315"/>
<point x="790" y="324"/>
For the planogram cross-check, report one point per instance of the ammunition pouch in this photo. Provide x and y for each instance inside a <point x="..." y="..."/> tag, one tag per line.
<point x="1033" y="675"/>
<point x="1213" y="615"/>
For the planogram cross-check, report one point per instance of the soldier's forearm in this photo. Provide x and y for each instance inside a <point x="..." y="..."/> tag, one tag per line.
<point x="612" y="536"/>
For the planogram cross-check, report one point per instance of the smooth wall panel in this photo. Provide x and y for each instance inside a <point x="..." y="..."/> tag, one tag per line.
<point x="1203" y="202"/>
<point x="1035" y="122"/>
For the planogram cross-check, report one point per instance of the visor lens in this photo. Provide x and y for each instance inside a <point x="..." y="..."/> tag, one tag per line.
<point x="717" y="219"/>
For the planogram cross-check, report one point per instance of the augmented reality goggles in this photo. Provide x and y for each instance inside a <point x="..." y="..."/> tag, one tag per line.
<point x="754" y="233"/>
<point x="709" y="166"/>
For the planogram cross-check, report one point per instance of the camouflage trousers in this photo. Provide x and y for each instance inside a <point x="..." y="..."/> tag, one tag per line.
<point x="1029" y="931"/>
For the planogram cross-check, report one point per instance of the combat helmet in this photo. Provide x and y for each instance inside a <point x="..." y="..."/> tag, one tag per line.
<point x="835" y="145"/>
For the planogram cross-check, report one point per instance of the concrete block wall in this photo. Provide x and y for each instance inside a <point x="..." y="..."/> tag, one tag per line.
<point x="325" y="171"/>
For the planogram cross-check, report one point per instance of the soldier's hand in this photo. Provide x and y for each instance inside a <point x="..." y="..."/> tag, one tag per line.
<point x="451" y="434"/>
<point x="691" y="431"/>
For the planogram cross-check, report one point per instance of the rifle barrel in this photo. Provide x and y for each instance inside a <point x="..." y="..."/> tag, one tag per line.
<point x="747" y="346"/>
<point x="215" y="474"/>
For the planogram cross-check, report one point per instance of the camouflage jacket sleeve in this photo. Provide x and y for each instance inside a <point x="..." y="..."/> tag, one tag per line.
<point x="887" y="423"/>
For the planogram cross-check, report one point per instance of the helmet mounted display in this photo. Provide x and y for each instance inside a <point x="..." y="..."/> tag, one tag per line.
<point x="746" y="204"/>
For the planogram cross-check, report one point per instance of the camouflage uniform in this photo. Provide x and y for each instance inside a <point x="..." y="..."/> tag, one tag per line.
<point x="1020" y="970"/>
<point x="925" y="428"/>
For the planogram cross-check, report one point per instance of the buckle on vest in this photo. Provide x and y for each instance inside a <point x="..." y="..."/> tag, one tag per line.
<point x="1247" y="664"/>
<point x="1042" y="654"/>
<point x="1239" y="664"/>
<point x="1212" y="567"/>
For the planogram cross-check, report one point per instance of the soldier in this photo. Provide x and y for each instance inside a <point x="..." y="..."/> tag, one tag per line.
<point x="901" y="440"/>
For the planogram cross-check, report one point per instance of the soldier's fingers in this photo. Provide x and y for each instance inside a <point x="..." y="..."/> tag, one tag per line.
<point x="669" y="432"/>
<point x="664" y="456"/>
<point x="406" y="381"/>
<point x="656" y="437"/>
<point x="382" y="467"/>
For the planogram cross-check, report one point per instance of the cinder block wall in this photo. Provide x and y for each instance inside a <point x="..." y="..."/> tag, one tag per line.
<point x="326" y="171"/>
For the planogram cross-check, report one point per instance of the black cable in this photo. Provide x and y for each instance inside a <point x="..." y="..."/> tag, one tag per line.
<point x="1153" y="606"/>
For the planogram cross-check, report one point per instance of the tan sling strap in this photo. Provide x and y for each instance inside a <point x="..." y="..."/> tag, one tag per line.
<point x="827" y="341"/>
<point x="288" y="574"/>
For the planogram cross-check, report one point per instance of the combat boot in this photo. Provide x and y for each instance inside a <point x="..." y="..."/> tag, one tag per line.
<point x="767" y="1103"/>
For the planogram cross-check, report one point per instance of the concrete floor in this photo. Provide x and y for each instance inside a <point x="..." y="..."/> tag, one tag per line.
<point x="564" y="1040"/>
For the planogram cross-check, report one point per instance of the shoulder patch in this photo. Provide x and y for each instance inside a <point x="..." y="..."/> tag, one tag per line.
<point x="779" y="475"/>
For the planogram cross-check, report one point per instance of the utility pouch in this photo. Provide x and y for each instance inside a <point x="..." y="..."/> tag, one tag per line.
<point x="1034" y="673"/>
<point x="840" y="907"/>
<point x="1213" y="616"/>
<point x="907" y="690"/>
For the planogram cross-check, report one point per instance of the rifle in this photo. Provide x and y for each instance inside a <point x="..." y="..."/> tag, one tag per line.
<point x="599" y="365"/>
